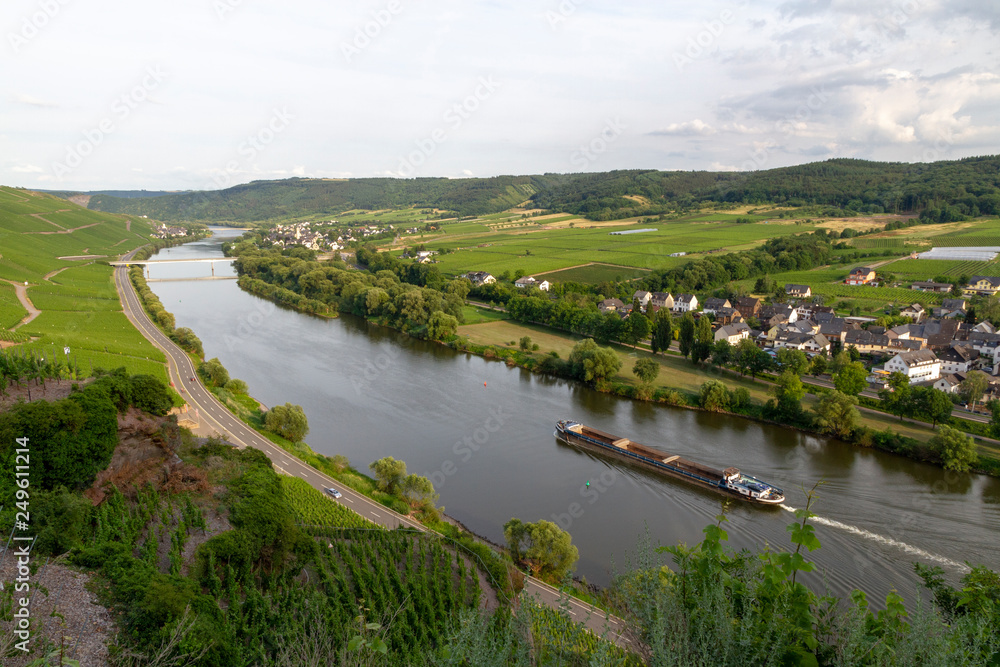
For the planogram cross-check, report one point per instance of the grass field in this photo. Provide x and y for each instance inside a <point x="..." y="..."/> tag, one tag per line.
<point x="926" y="269"/>
<point x="11" y="310"/>
<point x="675" y="371"/>
<point x="536" y="249"/>
<point x="596" y="273"/>
<point x="478" y="315"/>
<point x="79" y="304"/>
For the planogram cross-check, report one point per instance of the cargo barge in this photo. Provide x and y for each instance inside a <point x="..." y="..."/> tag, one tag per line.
<point x="730" y="482"/>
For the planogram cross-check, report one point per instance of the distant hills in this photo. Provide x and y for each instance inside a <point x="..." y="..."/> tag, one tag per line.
<point x="968" y="187"/>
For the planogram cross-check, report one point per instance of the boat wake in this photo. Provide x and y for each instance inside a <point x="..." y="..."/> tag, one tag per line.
<point x="888" y="541"/>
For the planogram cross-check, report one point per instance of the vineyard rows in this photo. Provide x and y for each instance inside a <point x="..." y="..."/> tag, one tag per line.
<point x="561" y="640"/>
<point x="314" y="509"/>
<point x="397" y="574"/>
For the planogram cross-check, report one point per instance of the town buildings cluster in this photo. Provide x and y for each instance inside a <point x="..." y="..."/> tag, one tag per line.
<point x="166" y="232"/>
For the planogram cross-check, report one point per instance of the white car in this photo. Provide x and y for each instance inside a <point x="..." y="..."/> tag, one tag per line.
<point x="333" y="492"/>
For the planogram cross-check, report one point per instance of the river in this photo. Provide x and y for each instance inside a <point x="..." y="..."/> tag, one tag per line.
<point x="483" y="433"/>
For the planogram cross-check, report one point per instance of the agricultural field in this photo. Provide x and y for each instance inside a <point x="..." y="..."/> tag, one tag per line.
<point x="478" y="315"/>
<point x="396" y="571"/>
<point x="597" y="273"/>
<point x="561" y="640"/>
<point x="541" y="250"/>
<point x="312" y="508"/>
<point x="926" y="269"/>
<point x="79" y="304"/>
<point x="11" y="310"/>
<point x="868" y="243"/>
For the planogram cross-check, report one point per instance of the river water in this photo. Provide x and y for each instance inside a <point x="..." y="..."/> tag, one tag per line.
<point x="483" y="433"/>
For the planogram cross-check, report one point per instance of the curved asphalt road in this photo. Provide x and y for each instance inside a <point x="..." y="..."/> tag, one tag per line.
<point x="217" y="416"/>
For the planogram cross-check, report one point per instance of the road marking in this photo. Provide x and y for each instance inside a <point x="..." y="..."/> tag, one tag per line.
<point x="376" y="515"/>
<point x="572" y="612"/>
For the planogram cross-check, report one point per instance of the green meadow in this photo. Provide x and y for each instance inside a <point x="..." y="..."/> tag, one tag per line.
<point x="534" y="248"/>
<point x="77" y="298"/>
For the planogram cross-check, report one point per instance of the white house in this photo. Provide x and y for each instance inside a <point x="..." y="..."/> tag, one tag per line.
<point x="480" y="278"/>
<point x="732" y="333"/>
<point x="643" y="297"/>
<point x="686" y="302"/>
<point x="530" y="281"/>
<point x="958" y="359"/>
<point x="918" y="366"/>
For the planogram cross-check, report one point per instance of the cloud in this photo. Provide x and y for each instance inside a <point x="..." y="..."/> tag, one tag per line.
<point x="27" y="169"/>
<point x="692" y="128"/>
<point x="22" y="98"/>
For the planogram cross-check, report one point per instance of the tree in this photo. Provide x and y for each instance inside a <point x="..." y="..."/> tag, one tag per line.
<point x="788" y="393"/>
<point x="853" y="353"/>
<point x="419" y="492"/>
<point x="662" y="331"/>
<point x="973" y="387"/>
<point x="897" y="396"/>
<point x="685" y="338"/>
<point x="839" y="361"/>
<point x="759" y="362"/>
<point x="956" y="449"/>
<point x="744" y="352"/>
<point x="852" y="379"/>
<point x="714" y="396"/>
<point x="795" y="361"/>
<point x="545" y="547"/>
<point x="440" y="325"/>
<point x="836" y="414"/>
<point x="592" y="363"/>
<point x="933" y="404"/>
<point x="722" y="352"/>
<point x="637" y="327"/>
<point x="646" y="370"/>
<point x="994" y="407"/>
<point x="289" y="421"/>
<point x="389" y="473"/>
<point x="818" y="365"/>
<point x="213" y="372"/>
<point x="525" y="343"/>
<point x="150" y="394"/>
<point x="702" y="348"/>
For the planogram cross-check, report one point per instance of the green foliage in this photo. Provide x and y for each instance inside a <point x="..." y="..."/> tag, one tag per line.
<point x="792" y="360"/>
<point x="972" y="388"/>
<point x="851" y="379"/>
<point x="543" y="546"/>
<point x="956" y="449"/>
<point x="289" y="421"/>
<point x="389" y="472"/>
<point x="662" y="331"/>
<point x="714" y="396"/>
<point x="646" y="370"/>
<point x="686" y="338"/>
<point x="592" y="363"/>
<point x="836" y="414"/>
<point x="213" y="372"/>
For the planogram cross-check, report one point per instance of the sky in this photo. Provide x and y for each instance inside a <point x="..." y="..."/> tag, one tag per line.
<point x="205" y="94"/>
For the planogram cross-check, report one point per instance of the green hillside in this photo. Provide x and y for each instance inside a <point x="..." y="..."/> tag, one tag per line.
<point x="77" y="298"/>
<point x="949" y="189"/>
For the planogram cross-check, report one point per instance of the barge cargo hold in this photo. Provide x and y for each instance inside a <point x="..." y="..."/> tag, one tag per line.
<point x="730" y="482"/>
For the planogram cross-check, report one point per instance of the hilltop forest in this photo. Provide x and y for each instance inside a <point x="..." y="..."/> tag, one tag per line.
<point x="954" y="189"/>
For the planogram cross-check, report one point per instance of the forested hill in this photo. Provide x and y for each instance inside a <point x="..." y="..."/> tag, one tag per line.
<point x="295" y="197"/>
<point x="967" y="187"/>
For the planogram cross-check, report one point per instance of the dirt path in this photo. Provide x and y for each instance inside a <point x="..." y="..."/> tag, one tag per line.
<point x="22" y="295"/>
<point x="52" y="273"/>
<point x="39" y="216"/>
<point x="66" y="231"/>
